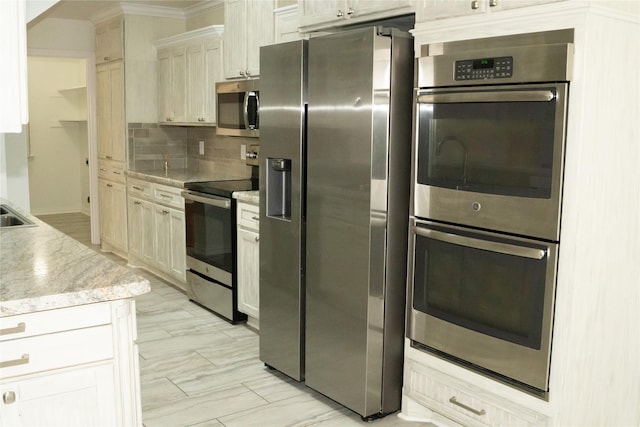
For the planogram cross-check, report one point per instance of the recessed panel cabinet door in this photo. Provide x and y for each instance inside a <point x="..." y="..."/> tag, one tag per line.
<point x="103" y="107"/>
<point x="178" y="245"/>
<point x="213" y="73"/>
<point x="235" y="48"/>
<point x="163" y="238"/>
<point x="118" y="146"/>
<point x="165" y="111"/>
<point x="195" y="83"/>
<point x="248" y="272"/>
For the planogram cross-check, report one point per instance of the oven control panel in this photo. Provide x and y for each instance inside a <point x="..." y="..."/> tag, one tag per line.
<point x="484" y="68"/>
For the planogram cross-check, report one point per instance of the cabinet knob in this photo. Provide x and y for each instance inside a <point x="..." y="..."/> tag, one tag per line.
<point x="475" y="4"/>
<point x="351" y="11"/>
<point x="107" y="58"/>
<point x="257" y="238"/>
<point x="9" y="397"/>
<point x="242" y="73"/>
<point x="340" y="14"/>
<point x="493" y="3"/>
<point x="247" y="73"/>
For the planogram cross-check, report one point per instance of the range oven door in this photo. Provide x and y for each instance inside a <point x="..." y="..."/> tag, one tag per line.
<point x="482" y="152"/>
<point x="483" y="298"/>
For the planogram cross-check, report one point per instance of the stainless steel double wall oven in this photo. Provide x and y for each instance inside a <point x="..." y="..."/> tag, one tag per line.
<point x="490" y="120"/>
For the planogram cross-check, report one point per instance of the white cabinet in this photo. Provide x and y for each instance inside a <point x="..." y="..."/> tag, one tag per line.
<point x="110" y="40"/>
<point x="172" y="70"/>
<point x="429" y="10"/>
<point x="316" y="14"/>
<point x="110" y="111"/>
<point x="248" y="218"/>
<point x="112" y="195"/>
<point x="70" y="367"/>
<point x="157" y="229"/>
<point x="248" y="25"/>
<point x="189" y="65"/>
<point x="286" y="22"/>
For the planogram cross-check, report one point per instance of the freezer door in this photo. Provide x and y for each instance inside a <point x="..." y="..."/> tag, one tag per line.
<point x="282" y="203"/>
<point x="347" y="220"/>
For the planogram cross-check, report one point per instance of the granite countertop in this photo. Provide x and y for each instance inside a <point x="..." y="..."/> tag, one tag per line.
<point x="43" y="269"/>
<point x="178" y="177"/>
<point x="248" y="196"/>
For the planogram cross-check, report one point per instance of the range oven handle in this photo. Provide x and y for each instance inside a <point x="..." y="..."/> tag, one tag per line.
<point x="497" y="96"/>
<point x="207" y="199"/>
<point x="503" y="248"/>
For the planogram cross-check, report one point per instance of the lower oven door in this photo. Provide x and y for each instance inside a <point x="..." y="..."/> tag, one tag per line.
<point x="483" y="298"/>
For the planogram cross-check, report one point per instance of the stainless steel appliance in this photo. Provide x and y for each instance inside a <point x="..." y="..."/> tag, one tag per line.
<point x="210" y="222"/>
<point x="237" y="108"/>
<point x="490" y="118"/>
<point x="333" y="271"/>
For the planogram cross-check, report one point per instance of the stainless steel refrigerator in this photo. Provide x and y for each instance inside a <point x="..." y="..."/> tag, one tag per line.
<point x="334" y="239"/>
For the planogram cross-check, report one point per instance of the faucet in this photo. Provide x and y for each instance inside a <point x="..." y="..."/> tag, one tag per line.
<point x="165" y="157"/>
<point x="452" y="139"/>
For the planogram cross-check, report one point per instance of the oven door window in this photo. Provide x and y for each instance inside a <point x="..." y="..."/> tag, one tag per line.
<point x="495" y="141"/>
<point x="461" y="281"/>
<point x="208" y="234"/>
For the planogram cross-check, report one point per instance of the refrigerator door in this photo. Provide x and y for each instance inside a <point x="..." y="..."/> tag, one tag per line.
<point x="348" y="313"/>
<point x="282" y="206"/>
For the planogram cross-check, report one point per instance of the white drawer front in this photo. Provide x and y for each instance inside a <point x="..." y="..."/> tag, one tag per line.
<point x="53" y="351"/>
<point x="45" y="322"/>
<point x="140" y="188"/>
<point x="113" y="171"/>
<point x="248" y="216"/>
<point x="168" y="196"/>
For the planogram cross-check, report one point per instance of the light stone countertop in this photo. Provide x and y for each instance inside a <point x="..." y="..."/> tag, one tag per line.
<point x="248" y="196"/>
<point x="43" y="269"/>
<point x="178" y="177"/>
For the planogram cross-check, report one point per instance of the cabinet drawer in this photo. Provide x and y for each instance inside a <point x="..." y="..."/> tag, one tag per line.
<point x="113" y="171"/>
<point x="463" y="402"/>
<point x="45" y="322"/>
<point x="248" y="215"/>
<point x="140" y="188"/>
<point x="168" y="196"/>
<point x="57" y="350"/>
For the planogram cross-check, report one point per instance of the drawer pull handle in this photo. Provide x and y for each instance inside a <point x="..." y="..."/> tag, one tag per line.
<point x="257" y="238"/>
<point x="135" y="187"/>
<point x="116" y="173"/>
<point x="22" y="361"/>
<point x="255" y="218"/>
<point x="9" y="397"/>
<point x="137" y="203"/>
<point x="103" y="169"/>
<point x="166" y="196"/>
<point x="468" y="408"/>
<point x="165" y="212"/>
<point x="15" y="330"/>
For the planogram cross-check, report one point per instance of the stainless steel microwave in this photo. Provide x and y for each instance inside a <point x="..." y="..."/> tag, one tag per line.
<point x="237" y="108"/>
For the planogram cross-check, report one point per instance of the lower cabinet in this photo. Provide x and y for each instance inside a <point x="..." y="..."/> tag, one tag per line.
<point x="75" y="366"/>
<point x="157" y="230"/>
<point x="113" y="214"/>
<point x="248" y="261"/>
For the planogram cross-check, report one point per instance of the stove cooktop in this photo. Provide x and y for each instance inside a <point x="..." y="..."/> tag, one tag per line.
<point x="223" y="188"/>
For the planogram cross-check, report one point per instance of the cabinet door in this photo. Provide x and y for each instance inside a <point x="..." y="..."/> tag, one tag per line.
<point x="141" y="230"/>
<point x="195" y="83"/>
<point x="365" y="7"/>
<point x="115" y="45"/>
<point x="81" y="397"/>
<point x="430" y="10"/>
<point x="213" y="73"/>
<point x="179" y="84"/>
<point x="103" y="109"/>
<point x="106" y="219"/>
<point x="119" y="216"/>
<point x="102" y="43"/>
<point x="248" y="272"/>
<point x="235" y="53"/>
<point x="514" y="4"/>
<point x="177" y="245"/>
<point x="260" y="32"/>
<point x="164" y="86"/>
<point x="162" y="245"/>
<point x="118" y="140"/>
<point x="313" y="12"/>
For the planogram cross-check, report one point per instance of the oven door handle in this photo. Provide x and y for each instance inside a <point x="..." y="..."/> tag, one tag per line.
<point x="486" y="245"/>
<point x="220" y="202"/>
<point x="498" y="96"/>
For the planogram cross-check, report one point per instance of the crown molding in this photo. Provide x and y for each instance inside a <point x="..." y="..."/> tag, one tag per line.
<point x="198" y="8"/>
<point x="139" y="9"/>
<point x="210" y="31"/>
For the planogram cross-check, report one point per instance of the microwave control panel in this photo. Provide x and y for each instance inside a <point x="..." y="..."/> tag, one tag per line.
<point x="484" y="68"/>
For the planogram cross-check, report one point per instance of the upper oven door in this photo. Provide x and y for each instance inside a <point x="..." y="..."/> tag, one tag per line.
<point x="238" y="106"/>
<point x="210" y="226"/>
<point x="491" y="156"/>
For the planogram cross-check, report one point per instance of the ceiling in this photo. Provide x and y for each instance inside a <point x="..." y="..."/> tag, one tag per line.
<point x="85" y="9"/>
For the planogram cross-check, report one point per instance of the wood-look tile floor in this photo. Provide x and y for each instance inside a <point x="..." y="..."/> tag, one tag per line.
<point x="198" y="370"/>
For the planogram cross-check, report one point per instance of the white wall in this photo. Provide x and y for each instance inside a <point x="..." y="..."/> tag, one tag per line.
<point x="57" y="149"/>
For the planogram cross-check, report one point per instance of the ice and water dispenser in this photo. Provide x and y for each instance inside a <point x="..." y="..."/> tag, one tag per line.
<point x="278" y="188"/>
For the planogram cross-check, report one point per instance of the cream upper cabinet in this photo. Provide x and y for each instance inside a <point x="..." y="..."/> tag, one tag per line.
<point x="110" y="40"/>
<point x="110" y="111"/>
<point x="248" y="25"/>
<point x="189" y="65"/>
<point x="316" y="14"/>
<point x="429" y="10"/>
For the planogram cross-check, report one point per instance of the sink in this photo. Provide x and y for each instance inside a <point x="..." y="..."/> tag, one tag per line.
<point x="10" y="218"/>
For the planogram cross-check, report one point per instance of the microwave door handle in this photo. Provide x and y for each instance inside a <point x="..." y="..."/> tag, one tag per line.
<point x="245" y="111"/>
<point x="503" y="248"/>
<point x="499" y="96"/>
<point x="219" y="202"/>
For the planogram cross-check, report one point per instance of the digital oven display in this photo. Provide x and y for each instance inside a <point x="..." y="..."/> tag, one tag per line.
<point x="484" y="68"/>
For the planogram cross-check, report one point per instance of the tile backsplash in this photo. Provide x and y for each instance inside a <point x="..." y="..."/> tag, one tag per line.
<point x="150" y="145"/>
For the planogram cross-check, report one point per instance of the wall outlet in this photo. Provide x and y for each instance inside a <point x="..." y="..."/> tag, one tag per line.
<point x="243" y="152"/>
<point x="201" y="147"/>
